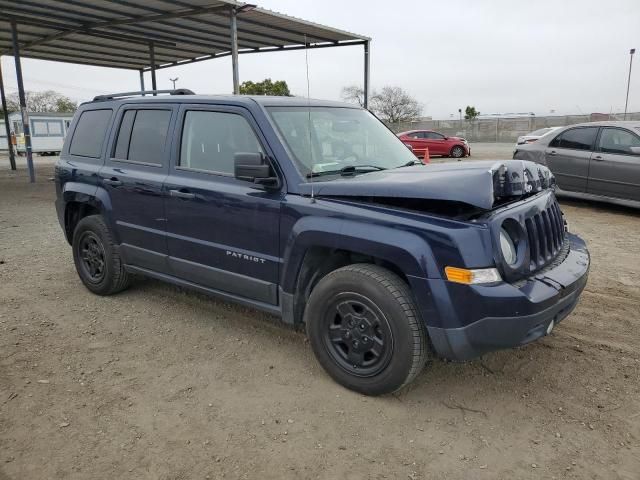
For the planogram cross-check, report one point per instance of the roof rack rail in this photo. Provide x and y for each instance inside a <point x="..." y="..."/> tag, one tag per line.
<point x="111" y="96"/>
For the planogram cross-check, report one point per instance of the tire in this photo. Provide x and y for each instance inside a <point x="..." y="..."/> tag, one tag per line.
<point x="97" y="257"/>
<point x="364" y="329"/>
<point x="457" y="152"/>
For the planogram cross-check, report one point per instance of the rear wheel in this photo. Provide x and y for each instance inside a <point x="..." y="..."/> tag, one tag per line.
<point x="97" y="258"/>
<point x="457" y="152"/>
<point x="364" y="329"/>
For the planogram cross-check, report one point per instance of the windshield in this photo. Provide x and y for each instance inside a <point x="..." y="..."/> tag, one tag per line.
<point x="332" y="140"/>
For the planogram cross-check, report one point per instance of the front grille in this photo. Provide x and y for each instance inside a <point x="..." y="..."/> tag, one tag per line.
<point x="546" y="232"/>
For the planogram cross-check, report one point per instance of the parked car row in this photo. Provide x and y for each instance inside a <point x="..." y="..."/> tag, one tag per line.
<point x="598" y="159"/>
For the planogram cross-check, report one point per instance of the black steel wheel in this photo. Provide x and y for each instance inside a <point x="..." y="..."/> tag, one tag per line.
<point x="357" y="335"/>
<point x="97" y="257"/>
<point x="92" y="256"/>
<point x="364" y="329"/>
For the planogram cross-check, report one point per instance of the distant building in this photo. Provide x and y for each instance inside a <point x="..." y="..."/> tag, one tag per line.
<point x="47" y="131"/>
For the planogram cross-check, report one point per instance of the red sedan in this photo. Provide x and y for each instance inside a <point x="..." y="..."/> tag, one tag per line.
<point x="437" y="143"/>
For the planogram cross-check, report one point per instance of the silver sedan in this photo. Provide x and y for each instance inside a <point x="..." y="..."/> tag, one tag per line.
<point x="591" y="160"/>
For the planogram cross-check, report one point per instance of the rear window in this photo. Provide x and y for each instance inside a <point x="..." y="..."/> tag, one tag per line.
<point x="90" y="133"/>
<point x="142" y="136"/>
<point x="576" y="139"/>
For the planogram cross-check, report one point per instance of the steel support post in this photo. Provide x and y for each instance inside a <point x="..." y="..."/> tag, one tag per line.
<point x="23" y="102"/>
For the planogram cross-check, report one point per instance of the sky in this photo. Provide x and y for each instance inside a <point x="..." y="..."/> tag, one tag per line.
<point x="501" y="56"/>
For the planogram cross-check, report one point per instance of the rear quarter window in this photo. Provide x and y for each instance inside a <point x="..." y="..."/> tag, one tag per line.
<point x="90" y="133"/>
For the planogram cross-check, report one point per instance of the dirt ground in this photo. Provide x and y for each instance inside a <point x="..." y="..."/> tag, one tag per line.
<point x="160" y="383"/>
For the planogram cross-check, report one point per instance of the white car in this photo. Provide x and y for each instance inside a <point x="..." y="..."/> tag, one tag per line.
<point x="534" y="136"/>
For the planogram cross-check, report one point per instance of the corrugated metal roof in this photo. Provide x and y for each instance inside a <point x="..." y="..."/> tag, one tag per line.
<point x="117" y="33"/>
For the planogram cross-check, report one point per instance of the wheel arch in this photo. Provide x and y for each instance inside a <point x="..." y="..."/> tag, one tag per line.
<point x="320" y="246"/>
<point x="81" y="200"/>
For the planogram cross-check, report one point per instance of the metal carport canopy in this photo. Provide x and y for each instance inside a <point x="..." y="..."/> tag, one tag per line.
<point x="146" y="35"/>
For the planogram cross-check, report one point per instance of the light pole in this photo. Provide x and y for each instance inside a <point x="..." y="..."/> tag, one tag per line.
<point x="174" y="80"/>
<point x="626" y="102"/>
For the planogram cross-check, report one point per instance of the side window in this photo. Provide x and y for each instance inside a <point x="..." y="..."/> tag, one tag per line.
<point x="39" y="128"/>
<point x="616" y="140"/>
<point x="417" y="135"/>
<point x="434" y="136"/>
<point x="55" y="128"/>
<point x="46" y="128"/>
<point x="142" y="136"/>
<point x="211" y="139"/>
<point x="90" y="132"/>
<point x="576" y="139"/>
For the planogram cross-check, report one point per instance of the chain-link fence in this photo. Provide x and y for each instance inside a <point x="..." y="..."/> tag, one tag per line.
<point x="504" y="129"/>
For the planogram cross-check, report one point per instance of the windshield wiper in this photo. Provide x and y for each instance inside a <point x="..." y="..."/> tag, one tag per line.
<point x="410" y="163"/>
<point x="348" y="170"/>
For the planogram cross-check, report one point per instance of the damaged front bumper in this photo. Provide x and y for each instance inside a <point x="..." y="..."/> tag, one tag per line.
<point x="477" y="319"/>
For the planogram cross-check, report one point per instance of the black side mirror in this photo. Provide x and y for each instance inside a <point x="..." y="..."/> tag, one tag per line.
<point x="252" y="167"/>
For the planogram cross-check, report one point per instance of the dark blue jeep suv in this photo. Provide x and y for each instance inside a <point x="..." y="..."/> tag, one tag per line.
<point x="314" y="211"/>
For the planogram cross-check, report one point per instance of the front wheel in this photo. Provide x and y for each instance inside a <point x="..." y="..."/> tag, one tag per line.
<point x="457" y="152"/>
<point x="364" y="329"/>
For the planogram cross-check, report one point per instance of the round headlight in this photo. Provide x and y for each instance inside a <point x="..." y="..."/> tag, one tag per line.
<point x="509" y="252"/>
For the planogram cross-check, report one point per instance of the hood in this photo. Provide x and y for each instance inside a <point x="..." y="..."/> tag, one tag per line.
<point x="478" y="183"/>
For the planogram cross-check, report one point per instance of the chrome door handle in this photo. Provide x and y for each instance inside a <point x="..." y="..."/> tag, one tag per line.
<point x="181" y="194"/>
<point x="598" y="158"/>
<point x="553" y="153"/>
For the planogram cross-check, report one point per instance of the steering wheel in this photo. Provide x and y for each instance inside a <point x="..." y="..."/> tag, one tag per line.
<point x="344" y="152"/>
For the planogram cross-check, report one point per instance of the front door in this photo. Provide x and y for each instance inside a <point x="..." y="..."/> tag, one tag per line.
<point x="615" y="167"/>
<point x="223" y="233"/>
<point x="137" y="164"/>
<point x="568" y="156"/>
<point x="436" y="143"/>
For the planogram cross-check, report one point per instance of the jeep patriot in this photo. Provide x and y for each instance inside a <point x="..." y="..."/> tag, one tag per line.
<point x="316" y="212"/>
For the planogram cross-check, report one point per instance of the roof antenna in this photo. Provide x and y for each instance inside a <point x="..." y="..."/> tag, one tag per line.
<point x="306" y="60"/>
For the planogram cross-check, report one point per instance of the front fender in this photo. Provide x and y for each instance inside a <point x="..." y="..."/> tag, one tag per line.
<point x="406" y="250"/>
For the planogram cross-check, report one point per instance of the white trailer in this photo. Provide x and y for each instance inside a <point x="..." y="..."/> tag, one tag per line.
<point x="47" y="132"/>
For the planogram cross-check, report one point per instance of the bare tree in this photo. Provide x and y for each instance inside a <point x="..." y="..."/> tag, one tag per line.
<point x="353" y="94"/>
<point x="47" y="101"/>
<point x="393" y="105"/>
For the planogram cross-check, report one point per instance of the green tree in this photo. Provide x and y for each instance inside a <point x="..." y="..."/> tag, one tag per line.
<point x="266" y="87"/>
<point x="470" y="113"/>
<point x="43" y="102"/>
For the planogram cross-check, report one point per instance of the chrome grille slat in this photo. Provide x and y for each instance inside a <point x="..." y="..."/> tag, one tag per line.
<point x="546" y="235"/>
<point x="554" y="230"/>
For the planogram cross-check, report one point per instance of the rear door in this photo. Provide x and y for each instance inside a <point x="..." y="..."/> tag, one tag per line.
<point x="223" y="233"/>
<point x="136" y="167"/>
<point x="418" y="141"/>
<point x="568" y="156"/>
<point x="615" y="168"/>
